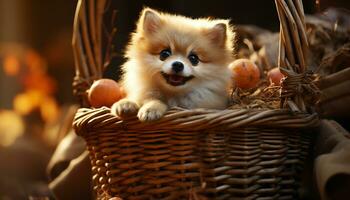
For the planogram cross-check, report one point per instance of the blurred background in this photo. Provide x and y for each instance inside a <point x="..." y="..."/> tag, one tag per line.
<point x="37" y="69"/>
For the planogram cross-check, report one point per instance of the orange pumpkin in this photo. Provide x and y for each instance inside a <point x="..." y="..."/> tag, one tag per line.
<point x="245" y="73"/>
<point x="275" y="76"/>
<point x="105" y="92"/>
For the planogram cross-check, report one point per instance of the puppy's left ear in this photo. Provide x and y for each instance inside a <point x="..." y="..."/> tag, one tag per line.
<point x="218" y="34"/>
<point x="151" y="20"/>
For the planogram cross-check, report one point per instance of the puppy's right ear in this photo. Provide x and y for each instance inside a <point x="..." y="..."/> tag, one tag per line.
<point x="151" y="20"/>
<point x="218" y="34"/>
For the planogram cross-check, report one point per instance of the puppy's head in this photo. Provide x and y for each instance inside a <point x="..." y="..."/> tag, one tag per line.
<point x="179" y="53"/>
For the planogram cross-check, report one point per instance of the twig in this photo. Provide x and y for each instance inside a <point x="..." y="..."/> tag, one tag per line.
<point x="295" y="36"/>
<point x="282" y="51"/>
<point x="80" y="70"/>
<point x="300" y="9"/>
<point x="285" y="33"/>
<point x="288" y="65"/>
<point x="82" y="58"/>
<point x="86" y="41"/>
<point x="295" y="45"/>
<point x="92" y="23"/>
<point x="301" y="29"/>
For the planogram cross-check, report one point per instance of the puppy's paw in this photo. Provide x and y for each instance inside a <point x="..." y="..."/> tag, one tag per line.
<point x="152" y="111"/>
<point x="149" y="114"/>
<point x="124" y="108"/>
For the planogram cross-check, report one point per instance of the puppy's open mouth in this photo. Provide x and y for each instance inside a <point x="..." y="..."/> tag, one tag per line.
<point x="176" y="80"/>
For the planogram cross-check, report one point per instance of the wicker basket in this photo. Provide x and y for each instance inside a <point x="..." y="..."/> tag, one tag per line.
<point x="200" y="153"/>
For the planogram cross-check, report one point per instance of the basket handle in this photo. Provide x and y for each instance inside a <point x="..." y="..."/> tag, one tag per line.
<point x="87" y="42"/>
<point x="298" y="88"/>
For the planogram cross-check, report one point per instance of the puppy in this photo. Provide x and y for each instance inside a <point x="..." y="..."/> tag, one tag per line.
<point x="175" y="61"/>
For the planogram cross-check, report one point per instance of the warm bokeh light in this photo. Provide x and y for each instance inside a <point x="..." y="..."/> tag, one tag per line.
<point x="33" y="100"/>
<point x="34" y="62"/>
<point x="49" y="109"/>
<point x="29" y="68"/>
<point x="22" y="104"/>
<point x="11" y="65"/>
<point x="39" y="81"/>
<point x="11" y="127"/>
<point x="31" y="110"/>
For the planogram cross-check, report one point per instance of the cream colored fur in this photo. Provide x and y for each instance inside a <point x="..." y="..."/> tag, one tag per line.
<point x="148" y="93"/>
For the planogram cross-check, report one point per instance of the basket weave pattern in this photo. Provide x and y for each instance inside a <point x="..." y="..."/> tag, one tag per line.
<point x="239" y="155"/>
<point x="199" y="153"/>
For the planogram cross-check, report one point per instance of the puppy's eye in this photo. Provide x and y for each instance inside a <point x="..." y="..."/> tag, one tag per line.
<point x="193" y="59"/>
<point x="164" y="54"/>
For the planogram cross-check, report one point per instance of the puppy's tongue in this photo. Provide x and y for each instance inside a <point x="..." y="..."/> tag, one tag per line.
<point x="176" y="78"/>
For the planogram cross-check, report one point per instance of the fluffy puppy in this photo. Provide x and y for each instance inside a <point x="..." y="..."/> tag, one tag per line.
<point x="173" y="61"/>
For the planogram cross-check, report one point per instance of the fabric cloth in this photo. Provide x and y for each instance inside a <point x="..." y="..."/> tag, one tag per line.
<point x="70" y="170"/>
<point x="75" y="181"/>
<point x="332" y="164"/>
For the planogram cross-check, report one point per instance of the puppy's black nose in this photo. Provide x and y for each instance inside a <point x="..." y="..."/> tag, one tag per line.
<point x="177" y="66"/>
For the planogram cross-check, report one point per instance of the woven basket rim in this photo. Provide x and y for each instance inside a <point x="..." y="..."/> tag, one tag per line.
<point x="91" y="120"/>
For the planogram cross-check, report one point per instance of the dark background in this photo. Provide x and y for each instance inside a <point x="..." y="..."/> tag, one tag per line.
<point x="257" y="12"/>
<point x="46" y="27"/>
